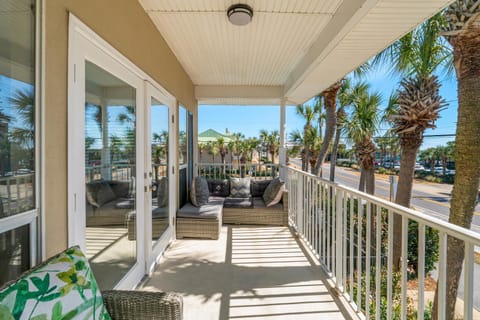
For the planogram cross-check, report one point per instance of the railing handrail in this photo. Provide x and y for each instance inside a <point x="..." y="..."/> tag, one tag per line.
<point x="445" y="226"/>
<point x="237" y="164"/>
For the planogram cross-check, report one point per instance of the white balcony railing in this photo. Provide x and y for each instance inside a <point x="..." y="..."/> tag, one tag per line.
<point x="349" y="232"/>
<point x="227" y="170"/>
<point x="16" y="193"/>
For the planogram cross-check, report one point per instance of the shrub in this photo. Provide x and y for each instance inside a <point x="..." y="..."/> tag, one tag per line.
<point x="431" y="248"/>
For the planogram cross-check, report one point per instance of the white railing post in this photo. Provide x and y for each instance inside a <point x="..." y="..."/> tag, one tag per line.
<point x="282" y="156"/>
<point x="339" y="240"/>
<point x="300" y="197"/>
<point x="468" y="284"/>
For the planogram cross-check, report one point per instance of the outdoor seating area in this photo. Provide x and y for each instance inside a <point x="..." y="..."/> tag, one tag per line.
<point x="243" y="201"/>
<point x="221" y="160"/>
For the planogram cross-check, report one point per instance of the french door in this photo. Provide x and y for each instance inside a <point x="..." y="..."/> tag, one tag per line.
<point x="121" y="151"/>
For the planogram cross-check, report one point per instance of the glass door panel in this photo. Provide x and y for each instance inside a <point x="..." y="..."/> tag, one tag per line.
<point x="159" y="135"/>
<point x="110" y="169"/>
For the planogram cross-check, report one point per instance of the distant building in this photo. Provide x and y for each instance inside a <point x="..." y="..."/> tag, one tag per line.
<point x="211" y="135"/>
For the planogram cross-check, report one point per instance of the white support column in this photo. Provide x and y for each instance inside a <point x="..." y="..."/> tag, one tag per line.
<point x="283" y="147"/>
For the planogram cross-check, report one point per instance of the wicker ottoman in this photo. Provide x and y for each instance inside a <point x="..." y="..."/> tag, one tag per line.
<point x="202" y="222"/>
<point x="159" y="223"/>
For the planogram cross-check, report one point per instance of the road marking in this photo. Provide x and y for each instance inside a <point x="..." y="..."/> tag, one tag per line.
<point x="477" y="213"/>
<point x="356" y="180"/>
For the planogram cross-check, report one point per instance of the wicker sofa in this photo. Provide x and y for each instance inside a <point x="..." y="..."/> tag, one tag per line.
<point x="205" y="221"/>
<point x="108" y="202"/>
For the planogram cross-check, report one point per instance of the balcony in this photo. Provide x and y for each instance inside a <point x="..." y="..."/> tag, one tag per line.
<point x="333" y="261"/>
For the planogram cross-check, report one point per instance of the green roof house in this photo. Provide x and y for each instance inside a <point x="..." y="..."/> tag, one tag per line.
<point x="212" y="135"/>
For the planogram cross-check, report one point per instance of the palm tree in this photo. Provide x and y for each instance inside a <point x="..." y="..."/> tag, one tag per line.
<point x="273" y="141"/>
<point x="416" y="56"/>
<point x="243" y="149"/>
<point x="24" y="104"/>
<point x="428" y="156"/>
<point x="308" y="114"/>
<point x="232" y="146"/>
<point x="264" y="139"/>
<point x="253" y="144"/>
<point x="160" y="151"/>
<point x="346" y="96"/>
<point x="330" y="100"/>
<point x="462" y="30"/>
<point x="222" y="148"/>
<point x="201" y="148"/>
<point x="360" y="127"/>
<point x="213" y="150"/>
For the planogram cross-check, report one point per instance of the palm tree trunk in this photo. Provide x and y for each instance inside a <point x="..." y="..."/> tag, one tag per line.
<point x="333" y="160"/>
<point x="467" y="161"/>
<point x="330" y="96"/>
<point x="361" y="184"/>
<point x="370" y="180"/>
<point x="404" y="195"/>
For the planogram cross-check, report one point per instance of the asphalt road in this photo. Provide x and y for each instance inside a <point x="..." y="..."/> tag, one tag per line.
<point x="430" y="198"/>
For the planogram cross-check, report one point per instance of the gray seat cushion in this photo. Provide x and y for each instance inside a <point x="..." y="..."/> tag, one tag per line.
<point x="258" y="203"/>
<point x="125" y="204"/>
<point x="156" y="214"/>
<point x="238" y="203"/>
<point x="211" y="210"/>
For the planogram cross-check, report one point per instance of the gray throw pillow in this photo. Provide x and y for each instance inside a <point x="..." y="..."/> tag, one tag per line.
<point x="273" y="193"/>
<point x="193" y="196"/>
<point x="199" y="192"/>
<point x="239" y="187"/>
<point x="105" y="194"/>
<point x="257" y="187"/>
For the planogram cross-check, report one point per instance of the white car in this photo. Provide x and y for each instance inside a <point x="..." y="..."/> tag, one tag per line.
<point x="419" y="167"/>
<point x="438" y="170"/>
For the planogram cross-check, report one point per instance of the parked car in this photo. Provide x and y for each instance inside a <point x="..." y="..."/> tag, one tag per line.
<point x="438" y="170"/>
<point x="419" y="167"/>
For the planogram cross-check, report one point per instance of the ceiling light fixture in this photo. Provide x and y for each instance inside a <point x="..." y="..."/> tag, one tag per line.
<point x="240" y="14"/>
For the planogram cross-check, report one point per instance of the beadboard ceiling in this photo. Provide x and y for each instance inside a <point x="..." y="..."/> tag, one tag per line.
<point x="291" y="49"/>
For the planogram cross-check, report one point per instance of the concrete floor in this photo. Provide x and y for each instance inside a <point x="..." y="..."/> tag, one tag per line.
<point x="249" y="273"/>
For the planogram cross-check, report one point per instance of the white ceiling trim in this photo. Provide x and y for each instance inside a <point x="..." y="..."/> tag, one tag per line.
<point x="257" y="94"/>
<point x="347" y="15"/>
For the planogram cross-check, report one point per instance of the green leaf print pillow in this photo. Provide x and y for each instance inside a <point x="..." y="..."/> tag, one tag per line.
<point x="63" y="287"/>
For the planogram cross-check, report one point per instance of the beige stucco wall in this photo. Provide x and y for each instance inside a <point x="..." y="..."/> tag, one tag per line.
<point x="125" y="25"/>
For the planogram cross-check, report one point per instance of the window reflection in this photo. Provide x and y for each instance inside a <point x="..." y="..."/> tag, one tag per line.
<point x="110" y="162"/>
<point x="14" y="253"/>
<point x="182" y="135"/>
<point x="159" y="143"/>
<point x="17" y="107"/>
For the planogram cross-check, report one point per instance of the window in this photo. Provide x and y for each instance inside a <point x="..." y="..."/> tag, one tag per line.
<point x="17" y="136"/>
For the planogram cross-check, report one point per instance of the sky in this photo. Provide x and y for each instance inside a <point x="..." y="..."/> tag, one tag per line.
<point x="249" y="120"/>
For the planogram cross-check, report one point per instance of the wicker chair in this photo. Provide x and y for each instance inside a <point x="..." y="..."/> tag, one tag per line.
<point x="142" y="305"/>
